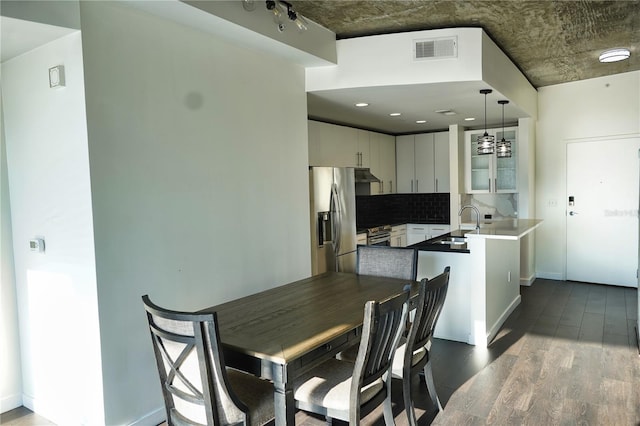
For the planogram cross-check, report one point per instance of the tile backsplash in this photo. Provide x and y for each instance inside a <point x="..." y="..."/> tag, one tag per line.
<point x="375" y="210"/>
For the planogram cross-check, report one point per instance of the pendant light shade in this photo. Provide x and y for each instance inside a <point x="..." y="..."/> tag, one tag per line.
<point x="486" y="142"/>
<point x="503" y="148"/>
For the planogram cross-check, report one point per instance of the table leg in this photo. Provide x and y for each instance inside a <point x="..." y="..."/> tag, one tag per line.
<point x="284" y="404"/>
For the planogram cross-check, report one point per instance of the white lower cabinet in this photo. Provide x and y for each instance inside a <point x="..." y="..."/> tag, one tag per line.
<point x="417" y="233"/>
<point x="383" y="162"/>
<point x="437" y="230"/>
<point x="399" y="236"/>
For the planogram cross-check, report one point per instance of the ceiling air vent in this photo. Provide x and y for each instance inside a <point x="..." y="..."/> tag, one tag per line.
<point x="435" y="48"/>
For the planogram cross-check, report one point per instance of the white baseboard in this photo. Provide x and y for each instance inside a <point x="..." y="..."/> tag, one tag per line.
<point x="496" y="326"/>
<point x="528" y="281"/>
<point x="550" y="275"/>
<point x="155" y="417"/>
<point x="8" y="403"/>
<point x="28" y="402"/>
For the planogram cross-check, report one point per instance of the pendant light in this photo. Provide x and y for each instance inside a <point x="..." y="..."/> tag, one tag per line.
<point x="503" y="148"/>
<point x="485" y="142"/>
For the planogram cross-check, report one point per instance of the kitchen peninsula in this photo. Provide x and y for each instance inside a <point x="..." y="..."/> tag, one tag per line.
<point x="484" y="284"/>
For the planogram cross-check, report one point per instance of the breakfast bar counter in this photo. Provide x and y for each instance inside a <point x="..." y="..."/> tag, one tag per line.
<point x="484" y="283"/>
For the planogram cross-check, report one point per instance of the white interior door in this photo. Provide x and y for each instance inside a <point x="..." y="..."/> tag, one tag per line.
<point x="602" y="211"/>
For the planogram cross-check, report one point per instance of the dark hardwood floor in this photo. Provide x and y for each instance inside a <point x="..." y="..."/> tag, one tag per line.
<point x="567" y="355"/>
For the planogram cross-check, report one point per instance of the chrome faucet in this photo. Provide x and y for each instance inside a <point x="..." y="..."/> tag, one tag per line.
<point x="469" y="206"/>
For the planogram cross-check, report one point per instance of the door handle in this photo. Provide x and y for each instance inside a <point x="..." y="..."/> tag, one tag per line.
<point x="572" y="213"/>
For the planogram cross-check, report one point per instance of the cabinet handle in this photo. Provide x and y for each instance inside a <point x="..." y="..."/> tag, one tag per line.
<point x="411" y="185"/>
<point x="495" y="184"/>
<point x="489" y="184"/>
<point x="381" y="191"/>
<point x="417" y="190"/>
<point x="390" y="187"/>
<point x="436" y="185"/>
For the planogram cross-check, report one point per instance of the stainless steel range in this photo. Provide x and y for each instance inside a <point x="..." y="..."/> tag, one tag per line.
<point x="379" y="235"/>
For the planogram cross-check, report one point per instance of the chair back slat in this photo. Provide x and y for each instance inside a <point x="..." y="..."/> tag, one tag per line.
<point x="432" y="295"/>
<point x="190" y="364"/>
<point x="382" y="329"/>
<point x="391" y="262"/>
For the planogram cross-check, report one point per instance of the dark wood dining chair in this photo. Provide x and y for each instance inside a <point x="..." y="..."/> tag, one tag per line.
<point x="196" y="386"/>
<point x="385" y="261"/>
<point x="348" y="391"/>
<point x="414" y="355"/>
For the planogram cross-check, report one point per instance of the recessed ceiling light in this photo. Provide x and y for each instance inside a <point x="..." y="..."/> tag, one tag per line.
<point x="449" y="113"/>
<point x="614" y="55"/>
<point x="362" y="104"/>
<point x="395" y="114"/>
<point x="421" y="121"/>
<point x="469" y="119"/>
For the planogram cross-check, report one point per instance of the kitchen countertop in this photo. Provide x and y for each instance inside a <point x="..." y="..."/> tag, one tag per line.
<point x="429" y="245"/>
<point x="506" y="229"/>
<point x="510" y="229"/>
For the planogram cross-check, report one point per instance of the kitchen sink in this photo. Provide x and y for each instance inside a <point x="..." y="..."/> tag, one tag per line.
<point x="452" y="241"/>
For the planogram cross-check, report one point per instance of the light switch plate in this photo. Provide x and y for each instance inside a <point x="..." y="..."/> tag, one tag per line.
<point x="56" y="76"/>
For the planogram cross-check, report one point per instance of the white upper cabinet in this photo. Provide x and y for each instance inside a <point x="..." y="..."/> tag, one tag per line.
<point x="423" y="163"/>
<point x="488" y="173"/>
<point x="340" y="146"/>
<point x="441" y="161"/>
<point x="363" y="149"/>
<point x="382" y="161"/>
<point x="336" y="146"/>
<point x="405" y="167"/>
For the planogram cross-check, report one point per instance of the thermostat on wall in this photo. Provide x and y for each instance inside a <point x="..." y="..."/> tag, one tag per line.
<point x="37" y="244"/>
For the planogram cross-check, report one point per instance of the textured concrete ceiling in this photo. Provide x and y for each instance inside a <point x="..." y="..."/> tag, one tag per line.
<point x="550" y="41"/>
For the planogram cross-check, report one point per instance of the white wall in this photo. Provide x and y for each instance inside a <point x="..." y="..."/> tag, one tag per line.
<point x="198" y="153"/>
<point x="48" y="171"/>
<point x="599" y="107"/>
<point x="361" y="63"/>
<point x="387" y="60"/>
<point x="10" y="367"/>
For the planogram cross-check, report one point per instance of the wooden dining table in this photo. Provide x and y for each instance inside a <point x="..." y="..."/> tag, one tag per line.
<point x="280" y="333"/>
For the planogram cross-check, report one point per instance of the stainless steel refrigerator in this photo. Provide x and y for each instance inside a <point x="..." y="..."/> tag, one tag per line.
<point x="333" y="219"/>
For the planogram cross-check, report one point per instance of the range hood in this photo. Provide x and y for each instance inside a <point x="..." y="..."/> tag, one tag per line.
<point x="365" y="176"/>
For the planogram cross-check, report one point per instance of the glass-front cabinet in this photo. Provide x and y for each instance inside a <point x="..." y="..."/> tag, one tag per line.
<point x="507" y="168"/>
<point x="487" y="173"/>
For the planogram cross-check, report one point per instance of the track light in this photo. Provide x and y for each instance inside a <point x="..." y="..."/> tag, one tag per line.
<point x="282" y="11"/>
